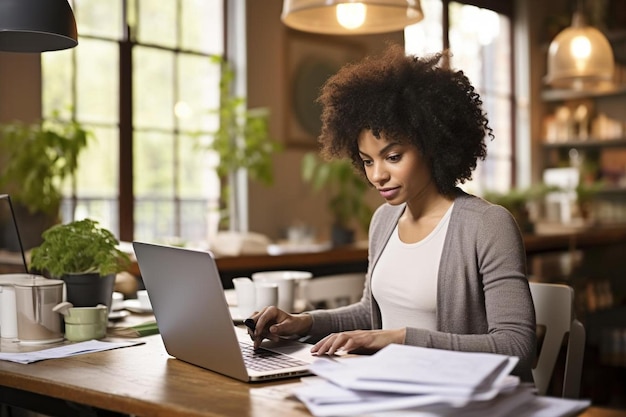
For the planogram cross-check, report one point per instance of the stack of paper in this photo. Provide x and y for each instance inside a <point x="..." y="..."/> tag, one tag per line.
<point x="419" y="381"/>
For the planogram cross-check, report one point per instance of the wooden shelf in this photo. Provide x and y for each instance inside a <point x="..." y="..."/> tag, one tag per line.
<point x="564" y="95"/>
<point x="590" y="143"/>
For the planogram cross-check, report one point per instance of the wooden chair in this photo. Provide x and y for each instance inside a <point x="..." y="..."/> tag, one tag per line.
<point x="333" y="291"/>
<point x="554" y="309"/>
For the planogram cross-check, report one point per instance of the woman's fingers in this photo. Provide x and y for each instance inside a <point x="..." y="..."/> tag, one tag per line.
<point x="334" y="343"/>
<point x="263" y="319"/>
<point x="358" y="341"/>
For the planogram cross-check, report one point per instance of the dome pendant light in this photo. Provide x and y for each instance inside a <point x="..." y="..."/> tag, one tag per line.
<point x="36" y="25"/>
<point x="351" y="17"/>
<point x="580" y="56"/>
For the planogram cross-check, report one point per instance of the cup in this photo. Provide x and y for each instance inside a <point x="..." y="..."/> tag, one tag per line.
<point x="144" y="300"/>
<point x="83" y="323"/>
<point x="266" y="294"/>
<point x="246" y="296"/>
<point x="117" y="301"/>
<point x="286" y="281"/>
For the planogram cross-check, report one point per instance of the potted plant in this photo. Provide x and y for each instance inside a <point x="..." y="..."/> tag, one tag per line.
<point x="35" y="159"/>
<point x="347" y="194"/>
<point x="586" y="193"/>
<point x="242" y="142"/>
<point x="85" y="256"/>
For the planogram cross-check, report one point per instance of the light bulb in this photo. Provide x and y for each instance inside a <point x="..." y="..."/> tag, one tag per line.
<point x="351" y="15"/>
<point x="580" y="47"/>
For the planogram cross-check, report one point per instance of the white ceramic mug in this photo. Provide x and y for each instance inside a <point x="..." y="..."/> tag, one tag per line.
<point x="286" y="281"/>
<point x="246" y="296"/>
<point x="144" y="300"/>
<point x="266" y="294"/>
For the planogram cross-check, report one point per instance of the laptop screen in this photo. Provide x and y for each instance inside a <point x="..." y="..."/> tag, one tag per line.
<point x="11" y="249"/>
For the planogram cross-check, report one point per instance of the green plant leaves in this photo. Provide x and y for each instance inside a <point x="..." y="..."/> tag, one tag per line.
<point x="346" y="187"/>
<point x="242" y="140"/>
<point x="81" y="246"/>
<point x="36" y="158"/>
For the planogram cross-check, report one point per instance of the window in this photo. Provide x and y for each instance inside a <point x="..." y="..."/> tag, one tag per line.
<point x="143" y="81"/>
<point x="480" y="41"/>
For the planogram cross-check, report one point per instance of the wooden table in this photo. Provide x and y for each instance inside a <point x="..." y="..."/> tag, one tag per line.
<point x="144" y="381"/>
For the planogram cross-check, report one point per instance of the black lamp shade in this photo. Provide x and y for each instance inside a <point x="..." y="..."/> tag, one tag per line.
<point x="36" y="25"/>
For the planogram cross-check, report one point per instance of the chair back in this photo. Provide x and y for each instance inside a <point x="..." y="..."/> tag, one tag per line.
<point x="333" y="291"/>
<point x="554" y="310"/>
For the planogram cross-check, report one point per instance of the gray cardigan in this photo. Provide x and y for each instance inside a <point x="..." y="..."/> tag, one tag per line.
<point x="483" y="298"/>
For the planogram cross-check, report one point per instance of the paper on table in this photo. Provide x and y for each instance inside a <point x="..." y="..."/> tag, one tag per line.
<point x="416" y="370"/>
<point x="519" y="403"/>
<point x="64" y="351"/>
<point x="551" y="407"/>
<point x="326" y="399"/>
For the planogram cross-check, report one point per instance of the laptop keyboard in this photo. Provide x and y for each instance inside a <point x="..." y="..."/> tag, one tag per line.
<point x="267" y="360"/>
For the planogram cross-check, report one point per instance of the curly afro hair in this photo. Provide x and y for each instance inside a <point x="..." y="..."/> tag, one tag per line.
<point x="408" y="100"/>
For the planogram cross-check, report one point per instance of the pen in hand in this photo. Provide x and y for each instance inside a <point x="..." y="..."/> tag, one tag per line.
<point x="250" y="324"/>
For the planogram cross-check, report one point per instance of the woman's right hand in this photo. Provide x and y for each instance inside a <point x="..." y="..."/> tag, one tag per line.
<point x="273" y="323"/>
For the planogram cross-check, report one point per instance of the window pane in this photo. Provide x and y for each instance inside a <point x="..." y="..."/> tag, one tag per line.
<point x="97" y="178"/>
<point x="191" y="168"/>
<point x="99" y="18"/>
<point x="173" y="95"/>
<point x="97" y="81"/>
<point x="425" y="37"/>
<point x="153" y="218"/>
<point x="153" y="162"/>
<point x="157" y="22"/>
<point x="99" y="164"/>
<point x="480" y="45"/>
<point x="153" y="78"/>
<point x="199" y="15"/>
<point x="57" y="73"/>
<point x="198" y="82"/>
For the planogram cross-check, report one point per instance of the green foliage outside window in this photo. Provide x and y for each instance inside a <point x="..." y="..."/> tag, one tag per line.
<point x="36" y="158"/>
<point x="242" y="140"/>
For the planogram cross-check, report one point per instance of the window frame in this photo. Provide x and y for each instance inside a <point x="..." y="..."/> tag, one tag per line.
<point x="125" y="203"/>
<point x="508" y="9"/>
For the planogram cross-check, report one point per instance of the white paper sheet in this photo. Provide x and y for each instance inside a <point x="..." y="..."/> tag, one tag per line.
<point x="64" y="351"/>
<point x="415" y="370"/>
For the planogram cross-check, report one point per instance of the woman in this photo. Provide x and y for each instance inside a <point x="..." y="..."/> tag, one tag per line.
<point x="446" y="269"/>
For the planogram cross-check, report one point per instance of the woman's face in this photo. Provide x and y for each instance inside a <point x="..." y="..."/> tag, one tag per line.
<point x="397" y="170"/>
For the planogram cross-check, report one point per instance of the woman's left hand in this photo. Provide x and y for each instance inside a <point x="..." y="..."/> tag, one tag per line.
<point x="358" y="341"/>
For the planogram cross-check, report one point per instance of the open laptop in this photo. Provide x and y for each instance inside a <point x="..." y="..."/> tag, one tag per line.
<point x="194" y="320"/>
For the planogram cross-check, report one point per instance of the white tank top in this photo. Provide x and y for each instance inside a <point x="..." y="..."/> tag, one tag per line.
<point x="404" y="281"/>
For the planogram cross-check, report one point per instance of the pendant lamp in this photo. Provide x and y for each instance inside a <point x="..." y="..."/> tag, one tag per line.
<point x="351" y="17"/>
<point x="580" y="56"/>
<point x="36" y="25"/>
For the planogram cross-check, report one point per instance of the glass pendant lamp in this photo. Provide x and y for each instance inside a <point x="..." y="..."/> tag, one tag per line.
<point x="580" y="56"/>
<point x="351" y="17"/>
<point x="36" y="25"/>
